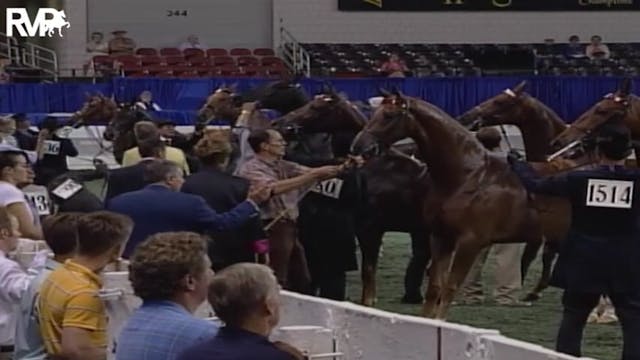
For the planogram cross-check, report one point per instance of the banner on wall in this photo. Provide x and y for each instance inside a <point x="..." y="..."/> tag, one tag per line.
<point x="488" y="5"/>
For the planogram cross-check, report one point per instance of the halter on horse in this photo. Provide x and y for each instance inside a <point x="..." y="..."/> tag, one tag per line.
<point x="474" y="192"/>
<point x="396" y="185"/>
<point x="538" y="125"/>
<point x="621" y="106"/>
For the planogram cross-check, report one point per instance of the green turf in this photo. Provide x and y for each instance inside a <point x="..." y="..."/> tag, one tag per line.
<point x="537" y="324"/>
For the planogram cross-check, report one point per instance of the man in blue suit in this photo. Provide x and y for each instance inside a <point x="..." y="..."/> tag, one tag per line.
<point x="161" y="207"/>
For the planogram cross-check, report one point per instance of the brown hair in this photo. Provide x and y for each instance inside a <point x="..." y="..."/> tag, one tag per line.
<point x="145" y="130"/>
<point x="213" y="150"/>
<point x="159" y="264"/>
<point x="101" y="231"/>
<point x="160" y="170"/>
<point x="61" y="232"/>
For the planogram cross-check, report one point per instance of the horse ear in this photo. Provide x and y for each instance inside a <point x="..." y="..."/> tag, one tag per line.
<point x="625" y="87"/>
<point x="519" y="89"/>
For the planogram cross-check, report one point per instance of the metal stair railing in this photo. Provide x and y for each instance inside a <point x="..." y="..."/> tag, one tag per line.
<point x="293" y="54"/>
<point x="40" y="57"/>
<point x="9" y="48"/>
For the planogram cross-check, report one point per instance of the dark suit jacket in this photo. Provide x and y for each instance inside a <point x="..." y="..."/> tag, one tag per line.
<point x="27" y="140"/>
<point x="223" y="192"/>
<point x="156" y="209"/>
<point x="125" y="179"/>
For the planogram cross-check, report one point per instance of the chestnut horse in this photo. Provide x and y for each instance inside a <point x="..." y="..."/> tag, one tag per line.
<point x="539" y="125"/>
<point x="477" y="200"/>
<point x="620" y="106"/>
<point x="119" y="121"/>
<point x="395" y="184"/>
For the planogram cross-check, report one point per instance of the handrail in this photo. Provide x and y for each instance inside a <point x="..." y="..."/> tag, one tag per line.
<point x="9" y="47"/>
<point x="292" y="52"/>
<point x="42" y="58"/>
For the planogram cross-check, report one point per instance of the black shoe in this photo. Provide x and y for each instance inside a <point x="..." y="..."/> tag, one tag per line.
<point x="412" y="299"/>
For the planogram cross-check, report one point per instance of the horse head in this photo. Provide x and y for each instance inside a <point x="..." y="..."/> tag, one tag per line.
<point x="391" y="122"/>
<point x="97" y="110"/>
<point x="327" y="112"/>
<point x="502" y="109"/>
<point x="224" y="103"/>
<point x="612" y="107"/>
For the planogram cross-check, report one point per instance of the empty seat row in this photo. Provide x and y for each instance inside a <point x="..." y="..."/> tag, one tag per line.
<point x="206" y="52"/>
<point x="103" y="60"/>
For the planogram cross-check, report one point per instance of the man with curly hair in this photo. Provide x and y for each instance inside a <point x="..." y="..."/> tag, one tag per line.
<point x="171" y="273"/>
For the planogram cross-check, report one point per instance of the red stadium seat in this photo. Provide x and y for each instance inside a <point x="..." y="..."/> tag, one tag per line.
<point x="240" y="52"/>
<point x="175" y="60"/>
<point x="197" y="61"/>
<point x="104" y="60"/>
<point x="150" y="60"/>
<point x="272" y="61"/>
<point x="170" y="52"/>
<point x="217" y="52"/>
<point x="222" y="60"/>
<point x="247" y="61"/>
<point x="263" y="52"/>
<point x="191" y="53"/>
<point x="128" y="60"/>
<point x="146" y="51"/>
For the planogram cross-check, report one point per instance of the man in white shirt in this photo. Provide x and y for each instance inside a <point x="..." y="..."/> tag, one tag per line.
<point x="13" y="283"/>
<point x="60" y="232"/>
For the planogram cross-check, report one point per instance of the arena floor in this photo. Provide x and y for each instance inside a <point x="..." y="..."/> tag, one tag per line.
<point x="537" y="324"/>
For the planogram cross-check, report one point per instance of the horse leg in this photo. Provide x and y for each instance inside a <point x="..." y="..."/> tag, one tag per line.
<point x="548" y="256"/>
<point x="465" y="254"/>
<point x="441" y="254"/>
<point x="370" y="241"/>
<point x="416" y="270"/>
<point x="530" y="252"/>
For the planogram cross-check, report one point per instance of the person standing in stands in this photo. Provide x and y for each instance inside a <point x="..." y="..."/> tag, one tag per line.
<point x="7" y="130"/>
<point x="222" y="192"/>
<point x="161" y="207"/>
<point x="145" y="102"/>
<point x="394" y="67"/>
<point x="120" y="44"/>
<point x="600" y="255"/>
<point x="52" y="151"/>
<point x="171" y="273"/>
<point x="72" y="317"/>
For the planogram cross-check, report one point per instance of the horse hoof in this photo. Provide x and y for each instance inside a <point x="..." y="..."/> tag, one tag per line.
<point x="532" y="297"/>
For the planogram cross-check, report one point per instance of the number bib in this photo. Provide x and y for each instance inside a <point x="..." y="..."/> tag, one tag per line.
<point x="51" y="147"/>
<point x="330" y="188"/>
<point x="39" y="198"/>
<point x="609" y="193"/>
<point x="67" y="189"/>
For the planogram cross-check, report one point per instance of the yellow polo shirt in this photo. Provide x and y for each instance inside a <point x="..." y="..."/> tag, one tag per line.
<point x="69" y="298"/>
<point x="132" y="157"/>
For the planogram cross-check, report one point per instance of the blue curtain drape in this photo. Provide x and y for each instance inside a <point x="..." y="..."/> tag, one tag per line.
<point x="569" y="96"/>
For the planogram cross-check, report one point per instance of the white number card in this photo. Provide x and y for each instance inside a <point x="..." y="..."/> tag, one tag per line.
<point x="67" y="189"/>
<point x="610" y="193"/>
<point x="330" y="188"/>
<point x="51" y="147"/>
<point x="39" y="198"/>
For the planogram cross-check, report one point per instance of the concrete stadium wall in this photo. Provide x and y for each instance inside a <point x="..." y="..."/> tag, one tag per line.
<point x="320" y="21"/>
<point x="359" y="332"/>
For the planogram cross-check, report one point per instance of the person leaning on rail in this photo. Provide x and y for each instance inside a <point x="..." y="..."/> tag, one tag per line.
<point x="600" y="254"/>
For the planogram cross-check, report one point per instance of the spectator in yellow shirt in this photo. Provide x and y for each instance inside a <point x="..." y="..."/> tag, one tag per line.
<point x="145" y="130"/>
<point x="72" y="317"/>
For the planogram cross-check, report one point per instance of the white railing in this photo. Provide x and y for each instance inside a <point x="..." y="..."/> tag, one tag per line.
<point x="339" y="330"/>
<point x="292" y="52"/>
<point x="9" y="48"/>
<point x="40" y="57"/>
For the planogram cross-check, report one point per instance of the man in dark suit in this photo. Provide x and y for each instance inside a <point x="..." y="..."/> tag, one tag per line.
<point x="27" y="138"/>
<point x="161" y="207"/>
<point x="223" y="192"/>
<point x="601" y="252"/>
<point x="131" y="178"/>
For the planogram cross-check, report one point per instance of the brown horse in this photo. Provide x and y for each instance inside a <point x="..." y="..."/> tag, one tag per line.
<point x="477" y="200"/>
<point x="396" y="185"/>
<point x="539" y="125"/>
<point x="119" y="121"/>
<point x="620" y="106"/>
